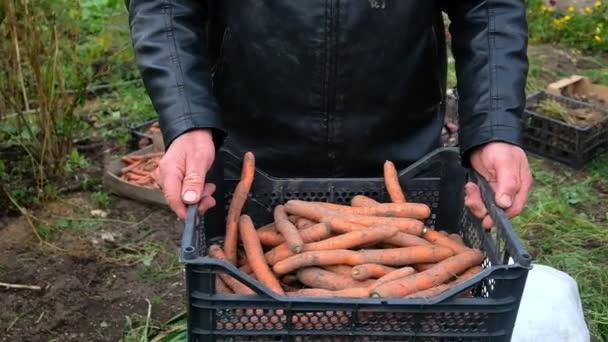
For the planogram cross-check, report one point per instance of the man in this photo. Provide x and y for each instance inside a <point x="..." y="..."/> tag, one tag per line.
<point x="332" y="88"/>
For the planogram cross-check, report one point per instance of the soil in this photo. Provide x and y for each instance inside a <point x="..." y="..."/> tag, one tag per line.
<point x="87" y="292"/>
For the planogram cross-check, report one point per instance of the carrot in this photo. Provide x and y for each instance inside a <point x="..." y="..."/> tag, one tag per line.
<point x="396" y="274"/>
<point x="367" y="271"/>
<point x="434" y="291"/>
<point x="406" y="240"/>
<point x="316" y="277"/>
<point x="289" y="279"/>
<point x="457" y="238"/>
<point x="312" y="234"/>
<point x="344" y="270"/>
<point x="422" y="267"/>
<point x="220" y="286"/>
<point x="340" y="226"/>
<point x="363" y="201"/>
<point x="407" y="210"/>
<point x="127" y="160"/>
<point x="216" y="251"/>
<point x="388" y="257"/>
<point x="146" y="156"/>
<point x="344" y="241"/>
<point x="391" y="180"/>
<point x="246" y="269"/>
<point x="434" y="276"/>
<point x="236" y="206"/>
<point x="302" y="223"/>
<point x="357" y="292"/>
<point x="287" y="230"/>
<point x="131" y="167"/>
<point x="316" y="212"/>
<point x="255" y="255"/>
<point x="437" y="238"/>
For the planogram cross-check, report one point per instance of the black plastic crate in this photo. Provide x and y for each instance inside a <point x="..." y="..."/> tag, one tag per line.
<point x="139" y="131"/>
<point x="560" y="141"/>
<point x="437" y="180"/>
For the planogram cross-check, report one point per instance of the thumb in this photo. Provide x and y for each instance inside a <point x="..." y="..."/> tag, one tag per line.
<point x="193" y="183"/>
<point x="507" y="184"/>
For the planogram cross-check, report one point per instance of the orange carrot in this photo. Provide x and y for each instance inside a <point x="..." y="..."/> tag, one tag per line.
<point x="216" y="251"/>
<point x="435" y="276"/>
<point x="246" y="269"/>
<point x="367" y="271"/>
<point x="407" y="210"/>
<point x="255" y="255"/>
<point x="237" y="203"/>
<point x="457" y="238"/>
<point x="345" y="270"/>
<point x="315" y="233"/>
<point x="356" y="292"/>
<point x="388" y="257"/>
<point x="406" y="240"/>
<point x="391" y="180"/>
<point x="349" y="240"/>
<point x="221" y="287"/>
<point x="363" y="201"/>
<point x="302" y="223"/>
<point x="437" y="238"/>
<point x="434" y="291"/>
<point x="146" y="156"/>
<point x="287" y="230"/>
<point x="396" y="274"/>
<point x="423" y="267"/>
<point x="316" y="277"/>
<point x="131" y="167"/>
<point x="316" y="212"/>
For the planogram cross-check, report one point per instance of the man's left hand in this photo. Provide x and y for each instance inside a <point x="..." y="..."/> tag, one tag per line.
<point x="505" y="167"/>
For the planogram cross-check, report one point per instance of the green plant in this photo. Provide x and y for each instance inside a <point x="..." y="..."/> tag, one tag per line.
<point x="101" y="199"/>
<point x="584" y="29"/>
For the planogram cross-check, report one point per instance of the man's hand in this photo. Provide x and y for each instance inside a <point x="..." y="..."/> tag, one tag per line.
<point x="182" y="171"/>
<point x="505" y="167"/>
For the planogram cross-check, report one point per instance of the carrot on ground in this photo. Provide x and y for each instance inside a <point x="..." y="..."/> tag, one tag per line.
<point x="288" y="230"/>
<point x="388" y="257"/>
<point x="237" y="203"/>
<point x="216" y="251"/>
<point x="438" y="238"/>
<point x="363" y="201"/>
<point x="255" y="255"/>
<point x="434" y="276"/>
<point x="316" y="277"/>
<point x="367" y="271"/>
<point x="391" y="180"/>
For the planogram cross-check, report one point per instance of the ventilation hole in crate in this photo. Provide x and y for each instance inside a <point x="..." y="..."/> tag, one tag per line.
<point x="321" y="320"/>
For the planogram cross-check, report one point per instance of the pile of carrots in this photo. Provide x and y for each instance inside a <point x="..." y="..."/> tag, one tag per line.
<point x="366" y="249"/>
<point x="140" y="169"/>
<point x="145" y="141"/>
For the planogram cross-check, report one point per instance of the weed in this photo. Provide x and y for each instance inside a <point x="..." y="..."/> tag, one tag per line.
<point x="101" y="199"/>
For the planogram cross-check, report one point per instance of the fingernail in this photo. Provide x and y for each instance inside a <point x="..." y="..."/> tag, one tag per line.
<point x="190" y="196"/>
<point x="506" y="200"/>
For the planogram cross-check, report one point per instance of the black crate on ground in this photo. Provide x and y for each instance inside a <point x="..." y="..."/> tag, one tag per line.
<point x="139" y="131"/>
<point x="436" y="180"/>
<point x="560" y="141"/>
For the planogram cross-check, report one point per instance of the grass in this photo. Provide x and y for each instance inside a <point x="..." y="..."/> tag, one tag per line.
<point x="561" y="232"/>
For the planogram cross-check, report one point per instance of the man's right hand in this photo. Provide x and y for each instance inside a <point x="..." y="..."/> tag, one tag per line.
<point x="182" y="171"/>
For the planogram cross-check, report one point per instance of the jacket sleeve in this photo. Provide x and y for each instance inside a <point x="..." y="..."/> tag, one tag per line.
<point x="171" y="52"/>
<point x="489" y="43"/>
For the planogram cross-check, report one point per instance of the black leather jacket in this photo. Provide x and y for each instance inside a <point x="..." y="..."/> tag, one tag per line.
<point x="331" y="87"/>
